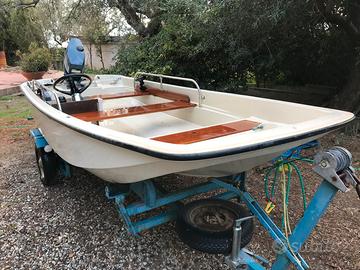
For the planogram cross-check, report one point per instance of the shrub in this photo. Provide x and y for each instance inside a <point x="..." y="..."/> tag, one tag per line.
<point x="37" y="59"/>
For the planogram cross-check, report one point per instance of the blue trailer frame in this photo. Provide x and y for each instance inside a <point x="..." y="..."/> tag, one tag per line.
<point x="152" y="197"/>
<point x="40" y="143"/>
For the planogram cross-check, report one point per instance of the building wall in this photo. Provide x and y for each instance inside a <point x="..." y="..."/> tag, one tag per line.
<point x="92" y="60"/>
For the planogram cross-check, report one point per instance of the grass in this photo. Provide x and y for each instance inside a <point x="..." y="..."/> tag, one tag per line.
<point x="6" y="98"/>
<point x="14" y="108"/>
<point x="14" y="112"/>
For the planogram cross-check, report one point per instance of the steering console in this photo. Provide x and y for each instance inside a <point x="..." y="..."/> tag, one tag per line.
<point x="73" y="84"/>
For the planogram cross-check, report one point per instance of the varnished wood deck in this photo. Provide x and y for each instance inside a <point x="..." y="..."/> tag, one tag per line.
<point x="207" y="133"/>
<point x="119" y="95"/>
<point x="130" y="111"/>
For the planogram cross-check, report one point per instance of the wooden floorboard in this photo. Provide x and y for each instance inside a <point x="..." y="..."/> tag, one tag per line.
<point x="207" y="133"/>
<point x="130" y="111"/>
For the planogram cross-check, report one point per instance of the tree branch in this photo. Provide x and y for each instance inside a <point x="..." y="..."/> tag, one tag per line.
<point x="73" y="10"/>
<point x="130" y="15"/>
<point x="133" y="19"/>
<point x="335" y="18"/>
<point x="57" y="41"/>
<point x="25" y="4"/>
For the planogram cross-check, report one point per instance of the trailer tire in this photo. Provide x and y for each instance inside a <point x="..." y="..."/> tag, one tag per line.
<point x="48" y="166"/>
<point x="212" y="238"/>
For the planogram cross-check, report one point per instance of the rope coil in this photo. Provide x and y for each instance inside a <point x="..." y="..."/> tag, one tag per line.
<point x="342" y="157"/>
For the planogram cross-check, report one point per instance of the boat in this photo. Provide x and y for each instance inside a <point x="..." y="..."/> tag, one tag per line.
<point x="129" y="129"/>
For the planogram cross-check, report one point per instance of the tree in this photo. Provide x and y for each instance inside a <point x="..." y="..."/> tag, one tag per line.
<point x="345" y="15"/>
<point x="18" y="28"/>
<point x="62" y="18"/>
<point x="95" y="31"/>
<point x="142" y="16"/>
<point x="222" y="42"/>
<point x="23" y="29"/>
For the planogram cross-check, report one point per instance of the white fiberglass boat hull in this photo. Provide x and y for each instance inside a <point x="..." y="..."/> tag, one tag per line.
<point x="116" y="164"/>
<point x="122" y="151"/>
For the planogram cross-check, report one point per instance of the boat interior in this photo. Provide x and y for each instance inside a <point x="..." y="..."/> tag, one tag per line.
<point x="153" y="110"/>
<point x="174" y="119"/>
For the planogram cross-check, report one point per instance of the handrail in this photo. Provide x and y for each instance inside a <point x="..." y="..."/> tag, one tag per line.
<point x="56" y="98"/>
<point x="161" y="76"/>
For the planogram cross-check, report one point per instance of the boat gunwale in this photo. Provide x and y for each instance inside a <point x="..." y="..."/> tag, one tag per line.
<point x="192" y="156"/>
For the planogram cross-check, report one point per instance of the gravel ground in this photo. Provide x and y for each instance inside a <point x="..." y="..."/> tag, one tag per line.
<point x="73" y="225"/>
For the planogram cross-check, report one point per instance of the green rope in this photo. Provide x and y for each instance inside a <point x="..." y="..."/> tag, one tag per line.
<point x="274" y="183"/>
<point x="276" y="168"/>
<point x="266" y="180"/>
<point x="302" y="185"/>
<point x="288" y="185"/>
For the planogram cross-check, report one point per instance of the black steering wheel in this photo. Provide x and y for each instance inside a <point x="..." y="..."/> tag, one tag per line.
<point x="74" y="83"/>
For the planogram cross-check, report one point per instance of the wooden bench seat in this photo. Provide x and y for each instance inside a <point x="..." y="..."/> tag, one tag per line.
<point x="166" y="94"/>
<point x="207" y="133"/>
<point x="119" y="95"/>
<point x="149" y="91"/>
<point x="130" y="111"/>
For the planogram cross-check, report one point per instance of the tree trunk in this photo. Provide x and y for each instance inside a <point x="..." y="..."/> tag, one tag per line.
<point x="91" y="56"/>
<point x="100" y="54"/>
<point x="349" y="98"/>
<point x="131" y="15"/>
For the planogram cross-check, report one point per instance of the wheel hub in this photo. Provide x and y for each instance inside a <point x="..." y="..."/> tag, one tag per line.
<point x="213" y="218"/>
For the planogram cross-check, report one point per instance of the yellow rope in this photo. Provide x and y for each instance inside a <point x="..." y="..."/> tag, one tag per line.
<point x="286" y="213"/>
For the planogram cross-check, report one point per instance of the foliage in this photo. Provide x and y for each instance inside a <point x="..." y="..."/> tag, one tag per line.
<point x="23" y="29"/>
<point x="38" y="59"/>
<point x="18" y="28"/>
<point x="97" y="71"/>
<point x="57" y="54"/>
<point x="220" y="43"/>
<point x="62" y="19"/>
<point x="95" y="30"/>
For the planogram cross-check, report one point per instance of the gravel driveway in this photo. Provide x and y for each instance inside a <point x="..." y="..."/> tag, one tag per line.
<point x="73" y="225"/>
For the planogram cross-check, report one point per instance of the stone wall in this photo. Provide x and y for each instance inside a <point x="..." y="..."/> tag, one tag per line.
<point x="10" y="91"/>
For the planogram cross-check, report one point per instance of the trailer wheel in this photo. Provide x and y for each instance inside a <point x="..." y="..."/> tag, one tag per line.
<point x="207" y="225"/>
<point x="48" y="166"/>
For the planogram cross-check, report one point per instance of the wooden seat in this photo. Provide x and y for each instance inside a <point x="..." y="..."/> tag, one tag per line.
<point x="165" y="94"/>
<point x="130" y="111"/>
<point x="149" y="91"/>
<point x="207" y="133"/>
<point x="119" y="95"/>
